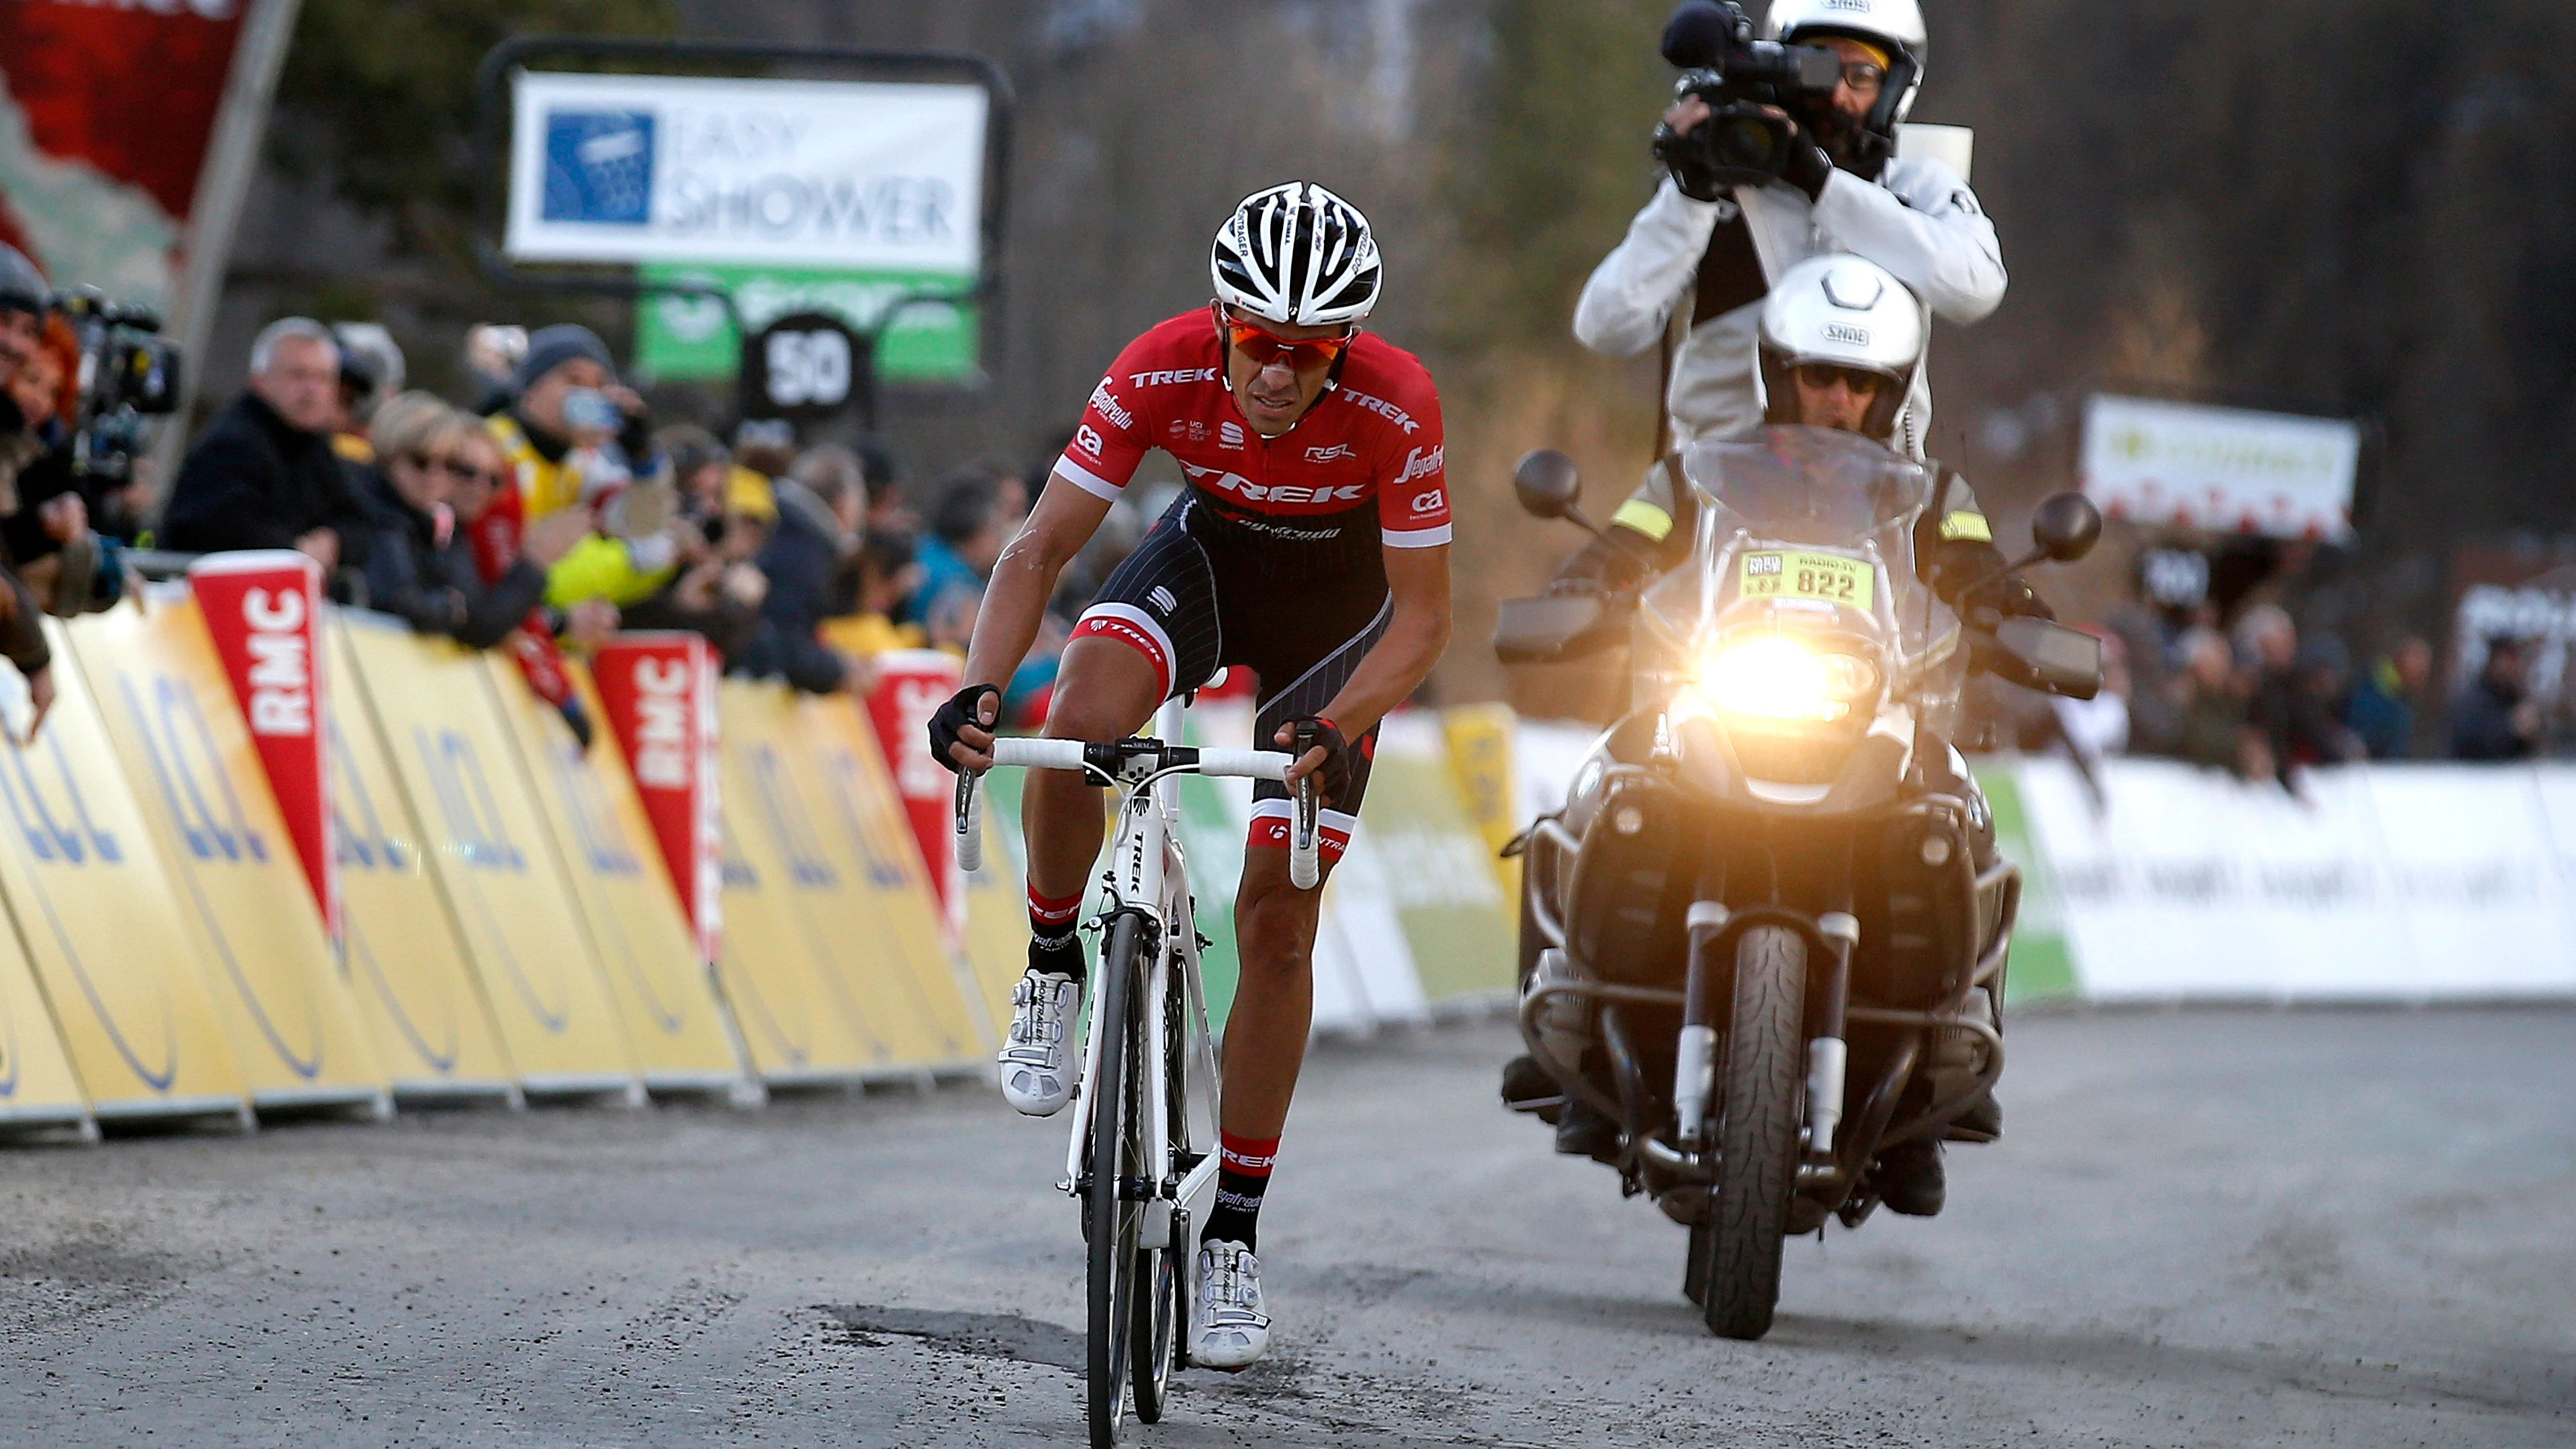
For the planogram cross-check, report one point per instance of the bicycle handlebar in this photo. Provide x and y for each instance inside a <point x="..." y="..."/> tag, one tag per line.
<point x="1304" y="856"/>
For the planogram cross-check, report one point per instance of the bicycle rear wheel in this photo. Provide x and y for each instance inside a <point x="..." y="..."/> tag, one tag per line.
<point x="1114" y="1159"/>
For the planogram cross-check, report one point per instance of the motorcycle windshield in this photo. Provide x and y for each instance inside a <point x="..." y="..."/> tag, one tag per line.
<point x="1801" y="487"/>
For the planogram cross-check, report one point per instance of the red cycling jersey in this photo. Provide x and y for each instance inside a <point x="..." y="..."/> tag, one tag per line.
<point x="1374" y="436"/>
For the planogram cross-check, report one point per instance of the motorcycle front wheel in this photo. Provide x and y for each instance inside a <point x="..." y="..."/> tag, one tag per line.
<point x="1757" y="1135"/>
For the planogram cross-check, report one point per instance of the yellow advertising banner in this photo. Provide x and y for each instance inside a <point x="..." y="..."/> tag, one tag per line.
<point x="39" y="1091"/>
<point x="415" y="989"/>
<point x="1480" y="761"/>
<point x="782" y="966"/>
<point x="872" y="832"/>
<point x="439" y="721"/>
<point x="868" y="835"/>
<point x="663" y="992"/>
<point x="793" y="886"/>
<point x="241" y="887"/>
<point x="98" y="916"/>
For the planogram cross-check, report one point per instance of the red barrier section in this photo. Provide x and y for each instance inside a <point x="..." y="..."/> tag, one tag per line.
<point x="659" y="692"/>
<point x="911" y="686"/>
<point x="264" y="610"/>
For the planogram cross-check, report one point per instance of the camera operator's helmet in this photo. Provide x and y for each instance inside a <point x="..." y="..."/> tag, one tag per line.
<point x="1895" y="26"/>
<point x="1841" y="311"/>
<point x="1297" y="255"/>
<point x="22" y="285"/>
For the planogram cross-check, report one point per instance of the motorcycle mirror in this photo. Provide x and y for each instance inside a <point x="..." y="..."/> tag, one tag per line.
<point x="1547" y="483"/>
<point x="2066" y="527"/>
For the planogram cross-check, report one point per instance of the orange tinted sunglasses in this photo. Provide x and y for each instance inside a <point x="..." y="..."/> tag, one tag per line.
<point x="1265" y="347"/>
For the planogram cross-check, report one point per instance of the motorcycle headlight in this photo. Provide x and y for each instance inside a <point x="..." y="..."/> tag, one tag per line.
<point x="1778" y="678"/>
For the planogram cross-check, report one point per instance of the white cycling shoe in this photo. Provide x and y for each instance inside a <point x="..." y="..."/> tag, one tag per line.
<point x="1229" y="1330"/>
<point x="1037" y="1059"/>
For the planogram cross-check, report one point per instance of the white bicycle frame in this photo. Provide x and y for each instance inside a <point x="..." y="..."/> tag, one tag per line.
<point x="1147" y="877"/>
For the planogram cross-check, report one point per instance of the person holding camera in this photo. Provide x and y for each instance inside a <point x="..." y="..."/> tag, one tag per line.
<point x="1781" y="149"/>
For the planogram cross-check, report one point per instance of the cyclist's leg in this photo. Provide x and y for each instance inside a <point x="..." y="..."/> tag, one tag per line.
<point x="1153" y="631"/>
<point x="1151" y="634"/>
<point x="1274" y="933"/>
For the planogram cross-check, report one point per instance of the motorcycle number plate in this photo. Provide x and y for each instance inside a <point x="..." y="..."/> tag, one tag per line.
<point x="1825" y="577"/>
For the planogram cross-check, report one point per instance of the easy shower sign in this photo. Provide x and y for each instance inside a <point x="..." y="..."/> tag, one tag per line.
<point x="849" y="175"/>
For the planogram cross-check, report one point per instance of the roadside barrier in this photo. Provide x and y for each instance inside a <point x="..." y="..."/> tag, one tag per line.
<point x="268" y="857"/>
<point x="236" y="876"/>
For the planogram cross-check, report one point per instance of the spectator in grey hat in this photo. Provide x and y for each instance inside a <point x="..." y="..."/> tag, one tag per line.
<point x="569" y="397"/>
<point x="263" y="474"/>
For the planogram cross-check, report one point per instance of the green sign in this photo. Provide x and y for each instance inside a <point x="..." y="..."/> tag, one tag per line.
<point x="686" y="338"/>
<point x="2041" y="967"/>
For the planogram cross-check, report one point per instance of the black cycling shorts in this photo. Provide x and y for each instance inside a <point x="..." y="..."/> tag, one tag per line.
<point x="1202" y="592"/>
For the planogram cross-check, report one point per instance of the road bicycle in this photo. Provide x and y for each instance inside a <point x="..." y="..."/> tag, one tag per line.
<point x="1147" y="1103"/>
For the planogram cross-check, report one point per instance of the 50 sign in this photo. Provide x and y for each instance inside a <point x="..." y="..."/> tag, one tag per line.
<point x="805" y="367"/>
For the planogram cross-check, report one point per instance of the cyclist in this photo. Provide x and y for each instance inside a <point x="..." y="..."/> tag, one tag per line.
<point x="1311" y="546"/>
<point x="1839" y="344"/>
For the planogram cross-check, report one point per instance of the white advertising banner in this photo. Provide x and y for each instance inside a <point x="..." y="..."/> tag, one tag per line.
<point x="2375" y="883"/>
<point x="2221" y="468"/>
<point x="845" y="174"/>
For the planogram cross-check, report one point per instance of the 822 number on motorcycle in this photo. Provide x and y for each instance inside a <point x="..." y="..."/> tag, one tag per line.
<point x="1824" y="577"/>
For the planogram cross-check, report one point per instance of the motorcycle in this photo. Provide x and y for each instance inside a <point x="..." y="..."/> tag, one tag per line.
<point x="1772" y="892"/>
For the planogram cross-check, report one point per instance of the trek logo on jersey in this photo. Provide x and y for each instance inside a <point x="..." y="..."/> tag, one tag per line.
<point x="1244" y="488"/>
<point x="1385" y="409"/>
<point x="1416" y="465"/>
<point x="1167" y="379"/>
<point x="1106" y="404"/>
<point x="1087" y="438"/>
<point x="1327" y="455"/>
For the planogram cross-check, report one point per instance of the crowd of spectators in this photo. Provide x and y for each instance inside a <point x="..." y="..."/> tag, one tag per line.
<point x="549" y="511"/>
<point x="2252" y="693"/>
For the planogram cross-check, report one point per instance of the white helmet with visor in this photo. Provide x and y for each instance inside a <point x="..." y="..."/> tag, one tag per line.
<point x="1845" y="313"/>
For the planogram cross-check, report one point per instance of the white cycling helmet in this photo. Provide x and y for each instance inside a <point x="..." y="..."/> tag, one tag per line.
<point x="1892" y="25"/>
<point x="1841" y="311"/>
<point x="1297" y="255"/>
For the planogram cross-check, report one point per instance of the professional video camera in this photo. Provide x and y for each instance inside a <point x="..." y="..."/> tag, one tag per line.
<point x="129" y="374"/>
<point x="1741" y="143"/>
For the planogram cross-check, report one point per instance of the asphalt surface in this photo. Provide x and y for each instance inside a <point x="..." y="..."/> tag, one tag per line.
<point x="2354" y="1229"/>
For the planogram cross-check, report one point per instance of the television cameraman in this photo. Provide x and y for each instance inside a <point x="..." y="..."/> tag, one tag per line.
<point x="1776" y="155"/>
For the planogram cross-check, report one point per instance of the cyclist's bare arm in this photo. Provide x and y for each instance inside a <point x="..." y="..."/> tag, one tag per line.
<point x="1015" y="602"/>
<point x="1418" y="580"/>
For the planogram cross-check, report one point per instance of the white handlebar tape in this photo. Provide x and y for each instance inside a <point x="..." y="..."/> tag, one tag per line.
<point x="1248" y="764"/>
<point x="1038" y="754"/>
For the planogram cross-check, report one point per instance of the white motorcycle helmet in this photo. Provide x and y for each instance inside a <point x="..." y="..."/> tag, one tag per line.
<point x="1297" y="255"/>
<point x="1895" y="26"/>
<point x="1841" y="311"/>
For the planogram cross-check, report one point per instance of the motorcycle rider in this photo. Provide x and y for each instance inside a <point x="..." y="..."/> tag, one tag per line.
<point x="1718" y="250"/>
<point x="1839" y="345"/>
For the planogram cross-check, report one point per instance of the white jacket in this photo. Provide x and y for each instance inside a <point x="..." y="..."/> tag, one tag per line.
<point x="1919" y="220"/>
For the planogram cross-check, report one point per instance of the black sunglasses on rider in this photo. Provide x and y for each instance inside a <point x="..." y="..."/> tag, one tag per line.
<point x="1822" y="375"/>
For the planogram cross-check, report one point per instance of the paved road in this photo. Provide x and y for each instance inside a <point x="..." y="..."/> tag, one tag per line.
<point x="2355" y="1229"/>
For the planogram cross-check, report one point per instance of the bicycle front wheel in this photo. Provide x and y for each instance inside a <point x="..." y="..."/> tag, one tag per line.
<point x="1113" y="1160"/>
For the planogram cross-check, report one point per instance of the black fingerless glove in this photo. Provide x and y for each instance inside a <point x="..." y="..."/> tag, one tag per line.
<point x="965" y="707"/>
<point x="1335" y="775"/>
